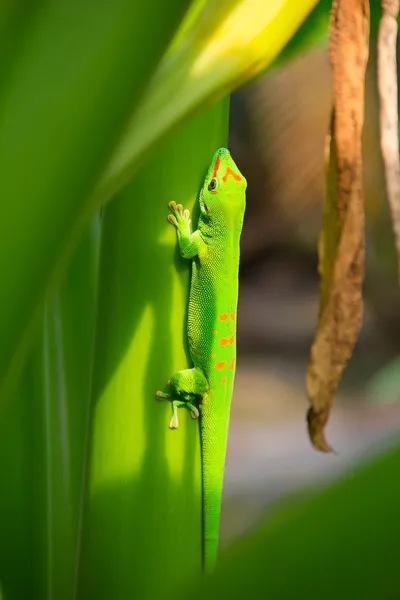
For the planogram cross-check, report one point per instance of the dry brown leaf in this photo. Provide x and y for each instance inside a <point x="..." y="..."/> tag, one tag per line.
<point x="387" y="88"/>
<point x="341" y="245"/>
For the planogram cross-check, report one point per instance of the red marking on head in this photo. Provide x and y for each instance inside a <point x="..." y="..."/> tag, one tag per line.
<point x="232" y="365"/>
<point x="233" y="316"/>
<point x="223" y="380"/>
<point x="220" y="365"/>
<point x="232" y="173"/>
<point x="214" y="331"/>
<point x="222" y="317"/>
<point x="216" y="166"/>
<point x="213" y="355"/>
<point x="227" y="341"/>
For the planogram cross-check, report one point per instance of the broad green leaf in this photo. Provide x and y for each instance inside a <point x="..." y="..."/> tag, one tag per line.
<point x="142" y="518"/>
<point x="231" y="42"/>
<point x="343" y="543"/>
<point x="314" y="30"/>
<point x="17" y="556"/>
<point x="68" y="346"/>
<point x="77" y="70"/>
<point x="43" y="442"/>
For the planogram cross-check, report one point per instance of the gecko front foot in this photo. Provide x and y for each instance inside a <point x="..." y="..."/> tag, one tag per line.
<point x="180" y="217"/>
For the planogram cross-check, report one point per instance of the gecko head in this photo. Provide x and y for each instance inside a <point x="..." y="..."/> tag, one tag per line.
<point x="223" y="192"/>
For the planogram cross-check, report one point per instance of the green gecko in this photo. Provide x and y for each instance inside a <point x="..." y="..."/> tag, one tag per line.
<point x="214" y="250"/>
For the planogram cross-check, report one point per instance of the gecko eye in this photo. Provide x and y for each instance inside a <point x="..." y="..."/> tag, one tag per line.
<point x="213" y="184"/>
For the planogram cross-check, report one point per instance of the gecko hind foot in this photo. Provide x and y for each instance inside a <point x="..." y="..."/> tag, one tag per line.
<point x="187" y="390"/>
<point x="194" y="413"/>
<point x="174" y="423"/>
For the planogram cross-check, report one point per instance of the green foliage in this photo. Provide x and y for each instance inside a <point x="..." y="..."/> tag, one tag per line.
<point x="43" y="438"/>
<point x="54" y="148"/>
<point x="64" y="99"/>
<point x="343" y="543"/>
<point x="88" y="94"/>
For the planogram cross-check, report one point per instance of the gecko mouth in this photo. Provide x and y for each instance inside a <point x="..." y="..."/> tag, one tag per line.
<point x="205" y="206"/>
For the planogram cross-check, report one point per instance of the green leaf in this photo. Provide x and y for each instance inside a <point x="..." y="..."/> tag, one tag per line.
<point x="231" y="42"/>
<point x="342" y="543"/>
<point x="313" y="31"/>
<point x="17" y="567"/>
<point x="142" y="519"/>
<point x="77" y="70"/>
<point x="43" y="442"/>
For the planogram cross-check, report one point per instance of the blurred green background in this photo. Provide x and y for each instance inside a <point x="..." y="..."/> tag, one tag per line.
<point x="107" y="113"/>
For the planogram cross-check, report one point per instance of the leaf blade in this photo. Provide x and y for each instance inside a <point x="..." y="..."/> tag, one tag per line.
<point x="63" y="103"/>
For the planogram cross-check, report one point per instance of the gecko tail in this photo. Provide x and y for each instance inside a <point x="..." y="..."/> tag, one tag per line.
<point x="212" y="497"/>
<point x="214" y="434"/>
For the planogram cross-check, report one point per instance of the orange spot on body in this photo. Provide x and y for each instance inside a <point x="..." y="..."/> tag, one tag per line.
<point x="220" y="365"/>
<point x="213" y="355"/>
<point x="214" y="331"/>
<point x="222" y="317"/>
<point x="232" y="365"/>
<point x="216" y="166"/>
<point x="232" y="173"/>
<point x="233" y="316"/>
<point x="227" y="341"/>
<point x="223" y="380"/>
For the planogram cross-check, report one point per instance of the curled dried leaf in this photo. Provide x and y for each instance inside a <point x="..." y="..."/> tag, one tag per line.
<point x="341" y="245"/>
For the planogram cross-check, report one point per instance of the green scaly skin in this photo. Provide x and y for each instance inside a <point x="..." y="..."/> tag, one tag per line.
<point x="214" y="250"/>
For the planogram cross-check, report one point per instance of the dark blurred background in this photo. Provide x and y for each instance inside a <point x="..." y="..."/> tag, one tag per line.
<point x="277" y="137"/>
